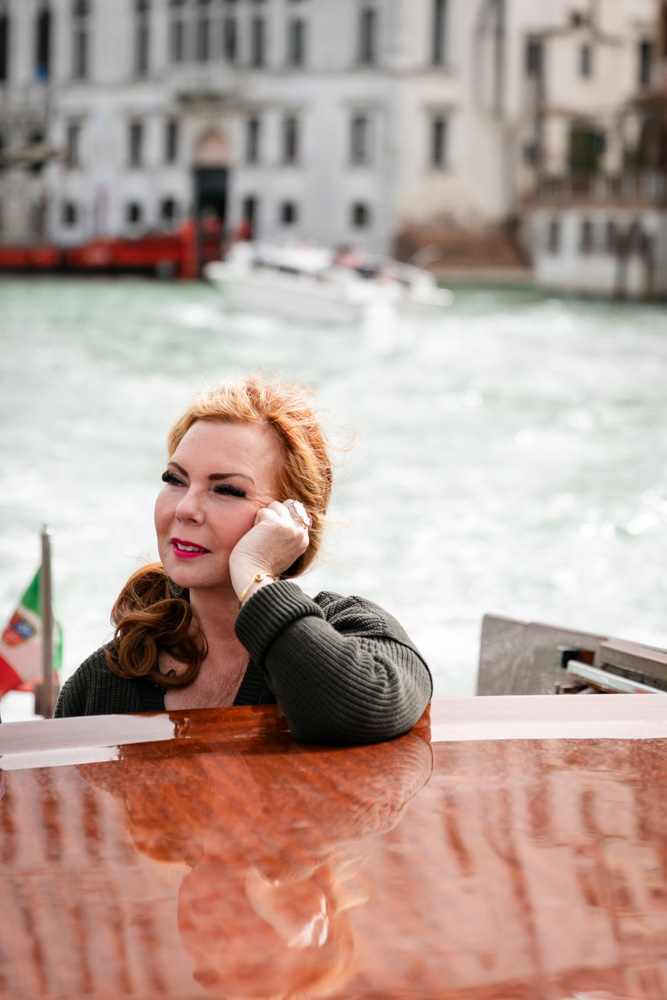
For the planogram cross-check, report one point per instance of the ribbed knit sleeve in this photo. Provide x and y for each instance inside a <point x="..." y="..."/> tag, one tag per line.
<point x="343" y="670"/>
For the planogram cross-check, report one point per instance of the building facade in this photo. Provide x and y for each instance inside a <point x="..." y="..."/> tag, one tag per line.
<point x="597" y="215"/>
<point x="340" y="120"/>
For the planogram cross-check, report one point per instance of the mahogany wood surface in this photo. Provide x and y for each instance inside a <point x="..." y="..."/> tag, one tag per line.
<point x="504" y="849"/>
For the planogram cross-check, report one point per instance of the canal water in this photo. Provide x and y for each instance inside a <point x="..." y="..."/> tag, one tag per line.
<point x="511" y="456"/>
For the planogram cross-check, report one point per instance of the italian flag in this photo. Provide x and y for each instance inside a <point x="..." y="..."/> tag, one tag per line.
<point x="21" y="643"/>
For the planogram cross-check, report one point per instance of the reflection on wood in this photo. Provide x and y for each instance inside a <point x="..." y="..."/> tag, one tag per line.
<point x="231" y="861"/>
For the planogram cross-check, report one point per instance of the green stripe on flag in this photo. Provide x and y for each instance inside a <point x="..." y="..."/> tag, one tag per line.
<point x="32" y="601"/>
<point x="32" y="597"/>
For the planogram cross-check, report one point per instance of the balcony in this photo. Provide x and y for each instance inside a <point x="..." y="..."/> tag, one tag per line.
<point x="30" y="101"/>
<point x="205" y="83"/>
<point x="631" y="189"/>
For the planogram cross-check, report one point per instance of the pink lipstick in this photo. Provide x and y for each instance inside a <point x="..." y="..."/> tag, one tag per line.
<point x="187" y="550"/>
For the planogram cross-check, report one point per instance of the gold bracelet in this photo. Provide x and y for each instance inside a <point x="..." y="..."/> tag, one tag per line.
<point x="257" y="578"/>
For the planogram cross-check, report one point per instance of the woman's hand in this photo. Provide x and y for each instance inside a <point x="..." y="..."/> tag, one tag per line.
<point x="276" y="540"/>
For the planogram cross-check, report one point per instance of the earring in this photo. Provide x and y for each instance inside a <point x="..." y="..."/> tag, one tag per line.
<point x="175" y="589"/>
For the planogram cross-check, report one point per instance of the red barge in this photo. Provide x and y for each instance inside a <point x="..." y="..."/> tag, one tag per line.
<point x="178" y="254"/>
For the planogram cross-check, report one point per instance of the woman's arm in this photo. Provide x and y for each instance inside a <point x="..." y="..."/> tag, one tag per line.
<point x="342" y="669"/>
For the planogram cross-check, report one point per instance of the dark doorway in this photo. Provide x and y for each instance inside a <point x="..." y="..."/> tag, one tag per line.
<point x="210" y="211"/>
<point x="211" y="192"/>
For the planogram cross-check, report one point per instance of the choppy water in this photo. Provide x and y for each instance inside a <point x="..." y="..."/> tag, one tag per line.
<point x="512" y="456"/>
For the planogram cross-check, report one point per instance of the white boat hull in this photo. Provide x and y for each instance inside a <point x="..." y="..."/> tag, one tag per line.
<point x="303" y="284"/>
<point x="290" y="298"/>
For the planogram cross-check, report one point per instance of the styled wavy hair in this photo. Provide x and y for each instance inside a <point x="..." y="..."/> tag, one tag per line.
<point x="146" y="618"/>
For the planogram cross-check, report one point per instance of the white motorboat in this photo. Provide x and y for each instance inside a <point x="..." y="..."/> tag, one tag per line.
<point x="314" y="284"/>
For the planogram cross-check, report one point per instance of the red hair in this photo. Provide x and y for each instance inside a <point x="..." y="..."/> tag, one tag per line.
<point x="147" y="619"/>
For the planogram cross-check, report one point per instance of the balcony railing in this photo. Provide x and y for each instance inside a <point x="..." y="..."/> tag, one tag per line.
<point x="603" y="189"/>
<point x="205" y="82"/>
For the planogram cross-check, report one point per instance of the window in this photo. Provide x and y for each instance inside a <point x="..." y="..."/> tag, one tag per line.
<point x="229" y="39"/>
<point x="611" y="236"/>
<point x="533" y="57"/>
<point x="288" y="213"/>
<point x="141" y="36"/>
<point x="171" y="136"/>
<point x="367" y="36"/>
<point x="439" y="136"/>
<point x="249" y="210"/>
<point x="4" y="44"/>
<point x="133" y="212"/>
<point x="586" y="236"/>
<point x="253" y="127"/>
<point x="296" y="42"/>
<point x="645" y="54"/>
<point x="80" y="38"/>
<point x="136" y="144"/>
<point x="73" y="144"/>
<point x="531" y="152"/>
<point x="257" y="42"/>
<point x="586" y="60"/>
<point x="440" y="40"/>
<point x="360" y="215"/>
<point x="177" y="32"/>
<point x="43" y="43"/>
<point x="553" y="236"/>
<point x="169" y="210"/>
<point x="34" y="140"/>
<point x="587" y="146"/>
<point x="69" y="213"/>
<point x="203" y="32"/>
<point x="290" y="139"/>
<point x="359" y="139"/>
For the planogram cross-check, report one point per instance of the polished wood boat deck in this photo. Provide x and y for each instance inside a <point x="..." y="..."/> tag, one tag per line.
<point x="505" y="849"/>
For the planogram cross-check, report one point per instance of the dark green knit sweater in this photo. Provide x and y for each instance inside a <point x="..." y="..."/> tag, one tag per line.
<point x="341" y="669"/>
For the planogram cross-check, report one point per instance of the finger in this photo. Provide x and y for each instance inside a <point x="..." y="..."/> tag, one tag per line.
<point x="267" y="514"/>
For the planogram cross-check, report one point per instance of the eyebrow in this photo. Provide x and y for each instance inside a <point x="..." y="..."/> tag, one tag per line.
<point x="215" y="476"/>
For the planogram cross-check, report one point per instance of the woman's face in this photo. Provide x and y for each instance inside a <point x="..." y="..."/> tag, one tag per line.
<point x="220" y="475"/>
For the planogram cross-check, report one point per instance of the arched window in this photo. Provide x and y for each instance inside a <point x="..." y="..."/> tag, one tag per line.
<point x="296" y="41"/>
<point x="203" y="31"/>
<point x="142" y="37"/>
<point x="177" y="32"/>
<point x="288" y="213"/>
<point x="257" y="42"/>
<point x="361" y="215"/>
<point x="586" y="236"/>
<point x="80" y="38"/>
<point x="134" y="212"/>
<point x="290" y="139"/>
<point x="368" y="26"/>
<point x="43" y="42"/>
<point x="440" y="17"/>
<point x="4" y="42"/>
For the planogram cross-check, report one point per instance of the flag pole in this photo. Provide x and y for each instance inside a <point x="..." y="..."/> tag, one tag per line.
<point x="47" y="625"/>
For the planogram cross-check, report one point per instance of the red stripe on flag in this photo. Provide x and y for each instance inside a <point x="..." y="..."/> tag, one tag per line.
<point x="9" y="679"/>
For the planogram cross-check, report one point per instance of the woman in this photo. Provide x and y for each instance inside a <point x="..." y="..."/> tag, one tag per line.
<point x="218" y="621"/>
